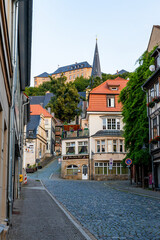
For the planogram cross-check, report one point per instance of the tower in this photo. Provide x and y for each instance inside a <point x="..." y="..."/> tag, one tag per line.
<point x="96" y="68"/>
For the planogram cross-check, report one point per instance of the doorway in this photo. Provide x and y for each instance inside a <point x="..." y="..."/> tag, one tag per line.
<point x="84" y="172"/>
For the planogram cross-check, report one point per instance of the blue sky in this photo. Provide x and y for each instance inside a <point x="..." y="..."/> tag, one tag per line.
<point x="64" y="32"/>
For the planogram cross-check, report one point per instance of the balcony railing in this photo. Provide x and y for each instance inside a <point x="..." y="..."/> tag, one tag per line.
<point x="75" y="134"/>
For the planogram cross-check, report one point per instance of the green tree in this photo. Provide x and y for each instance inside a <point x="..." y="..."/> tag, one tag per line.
<point x="135" y="113"/>
<point x="38" y="91"/>
<point x="65" y="101"/>
<point x="81" y="83"/>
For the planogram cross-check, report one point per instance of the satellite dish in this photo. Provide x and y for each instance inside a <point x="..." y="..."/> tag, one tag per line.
<point x="127" y="78"/>
<point x="152" y="68"/>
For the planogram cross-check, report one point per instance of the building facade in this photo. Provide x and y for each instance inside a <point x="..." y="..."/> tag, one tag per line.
<point x="36" y="141"/>
<point x="152" y="88"/>
<point x="15" y="60"/>
<point x="154" y="38"/>
<point x="40" y="79"/>
<point x="49" y="125"/>
<point x="75" y="155"/>
<point x="71" y="72"/>
<point x="106" y="142"/>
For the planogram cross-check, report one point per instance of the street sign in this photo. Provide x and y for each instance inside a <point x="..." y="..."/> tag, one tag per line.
<point x="110" y="163"/>
<point x="128" y="161"/>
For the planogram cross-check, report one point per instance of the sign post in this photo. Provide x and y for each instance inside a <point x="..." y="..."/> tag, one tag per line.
<point x="128" y="162"/>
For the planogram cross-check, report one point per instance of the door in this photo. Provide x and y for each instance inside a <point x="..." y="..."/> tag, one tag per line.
<point x="84" y="172"/>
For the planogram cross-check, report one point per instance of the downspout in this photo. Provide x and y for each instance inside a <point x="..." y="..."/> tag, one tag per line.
<point x="14" y="87"/>
<point x="149" y="120"/>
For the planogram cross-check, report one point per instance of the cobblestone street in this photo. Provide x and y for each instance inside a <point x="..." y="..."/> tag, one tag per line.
<point x="108" y="213"/>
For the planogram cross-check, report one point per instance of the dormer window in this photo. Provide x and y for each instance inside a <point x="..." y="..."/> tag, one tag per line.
<point x="30" y="133"/>
<point x="110" y="101"/>
<point x="114" y="88"/>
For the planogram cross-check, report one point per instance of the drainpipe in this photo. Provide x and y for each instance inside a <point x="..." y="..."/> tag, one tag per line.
<point x="149" y="120"/>
<point x="14" y="87"/>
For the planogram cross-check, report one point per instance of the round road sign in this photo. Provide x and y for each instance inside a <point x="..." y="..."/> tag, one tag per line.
<point x="128" y="161"/>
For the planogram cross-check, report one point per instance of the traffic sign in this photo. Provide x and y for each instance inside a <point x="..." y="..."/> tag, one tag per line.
<point x="128" y="161"/>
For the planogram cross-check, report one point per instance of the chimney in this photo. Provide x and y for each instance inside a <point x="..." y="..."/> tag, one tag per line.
<point x="49" y="110"/>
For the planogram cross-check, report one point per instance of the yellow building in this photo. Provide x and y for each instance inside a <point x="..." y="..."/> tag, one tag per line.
<point x="71" y="72"/>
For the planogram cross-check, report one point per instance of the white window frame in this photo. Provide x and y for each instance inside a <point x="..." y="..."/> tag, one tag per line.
<point x="105" y="123"/>
<point x="70" y="144"/>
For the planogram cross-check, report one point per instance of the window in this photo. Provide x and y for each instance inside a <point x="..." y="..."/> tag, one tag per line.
<point x="82" y="74"/>
<point x="110" y="101"/>
<point x="70" y="148"/>
<point x="152" y="92"/>
<point x="114" y="145"/>
<point x="121" y="145"/>
<point x="104" y="123"/>
<point x="47" y="146"/>
<point x="30" y="132"/>
<point x="73" y="76"/>
<point x="82" y="147"/>
<point x="100" y="145"/>
<point x="114" y="88"/>
<point x="72" y="170"/>
<point x="103" y="169"/>
<point x="111" y="123"/>
<point x="70" y="77"/>
<point x="47" y="133"/>
<point x="154" y="127"/>
<point x="157" y="89"/>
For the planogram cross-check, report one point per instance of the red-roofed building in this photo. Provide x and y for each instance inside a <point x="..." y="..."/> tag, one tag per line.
<point x="49" y="126"/>
<point x="106" y="145"/>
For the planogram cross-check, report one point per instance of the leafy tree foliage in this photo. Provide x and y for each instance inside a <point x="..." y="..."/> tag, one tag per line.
<point x="135" y="113"/>
<point x="65" y="101"/>
<point x="38" y="91"/>
<point x="81" y="83"/>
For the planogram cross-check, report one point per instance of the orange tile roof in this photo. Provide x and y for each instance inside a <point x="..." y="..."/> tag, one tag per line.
<point x="38" y="110"/>
<point x="98" y="99"/>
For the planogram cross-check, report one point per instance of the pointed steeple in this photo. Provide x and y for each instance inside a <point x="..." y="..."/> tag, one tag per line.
<point x="96" y="68"/>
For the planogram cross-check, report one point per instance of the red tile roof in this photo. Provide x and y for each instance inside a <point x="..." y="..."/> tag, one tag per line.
<point x="38" y="110"/>
<point x="98" y="96"/>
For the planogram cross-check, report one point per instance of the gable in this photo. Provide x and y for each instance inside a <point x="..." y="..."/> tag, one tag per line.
<point x="154" y="38"/>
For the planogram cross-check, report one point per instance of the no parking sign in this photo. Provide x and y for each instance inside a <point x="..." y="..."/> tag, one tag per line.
<point x="128" y="161"/>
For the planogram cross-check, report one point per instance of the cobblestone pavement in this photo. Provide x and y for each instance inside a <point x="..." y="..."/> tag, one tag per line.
<point x="47" y="171"/>
<point x="108" y="213"/>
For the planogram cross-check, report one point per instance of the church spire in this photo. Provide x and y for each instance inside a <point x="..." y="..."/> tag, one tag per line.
<point x="96" y="68"/>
